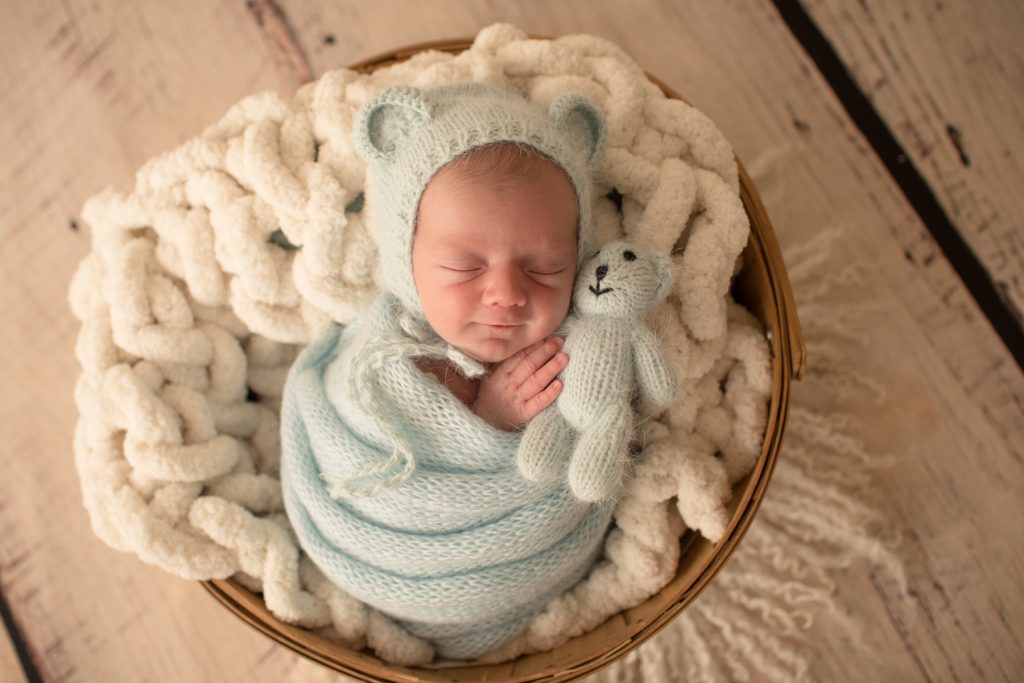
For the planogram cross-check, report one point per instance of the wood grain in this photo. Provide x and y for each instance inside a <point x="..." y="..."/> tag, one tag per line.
<point x="10" y="667"/>
<point x="947" y="77"/>
<point x="91" y="90"/>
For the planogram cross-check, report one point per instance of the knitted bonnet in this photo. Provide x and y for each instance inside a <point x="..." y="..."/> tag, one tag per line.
<point x="406" y="135"/>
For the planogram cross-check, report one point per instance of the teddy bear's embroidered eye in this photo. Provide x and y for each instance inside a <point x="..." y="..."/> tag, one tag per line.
<point x="629" y="255"/>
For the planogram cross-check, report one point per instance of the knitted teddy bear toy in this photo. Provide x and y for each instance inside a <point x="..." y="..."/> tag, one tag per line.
<point x="612" y="354"/>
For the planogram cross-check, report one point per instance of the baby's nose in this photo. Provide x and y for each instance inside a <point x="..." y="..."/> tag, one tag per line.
<point x="601" y="272"/>
<point x="505" y="289"/>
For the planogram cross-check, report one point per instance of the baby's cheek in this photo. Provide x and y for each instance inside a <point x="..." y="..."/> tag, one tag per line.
<point x="564" y="299"/>
<point x="554" y="309"/>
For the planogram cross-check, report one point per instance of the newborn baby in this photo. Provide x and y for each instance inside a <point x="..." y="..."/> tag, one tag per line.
<point x="494" y="261"/>
<point x="399" y="431"/>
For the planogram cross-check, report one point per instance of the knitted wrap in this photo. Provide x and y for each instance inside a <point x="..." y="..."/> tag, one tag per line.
<point x="406" y="135"/>
<point x="461" y="528"/>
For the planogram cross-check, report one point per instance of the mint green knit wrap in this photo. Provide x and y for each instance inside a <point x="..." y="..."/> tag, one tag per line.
<point x="464" y="551"/>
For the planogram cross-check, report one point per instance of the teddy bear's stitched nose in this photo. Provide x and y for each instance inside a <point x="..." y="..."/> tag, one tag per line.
<point x="601" y="272"/>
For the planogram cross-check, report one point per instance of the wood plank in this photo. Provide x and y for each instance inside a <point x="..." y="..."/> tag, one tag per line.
<point x="10" y="667"/>
<point x="120" y="83"/>
<point x="947" y="79"/>
<point x="953" y="418"/>
<point x="90" y="91"/>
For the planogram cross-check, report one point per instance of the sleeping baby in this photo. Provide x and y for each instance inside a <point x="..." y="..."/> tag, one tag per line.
<point x="494" y="261"/>
<point x="400" y="430"/>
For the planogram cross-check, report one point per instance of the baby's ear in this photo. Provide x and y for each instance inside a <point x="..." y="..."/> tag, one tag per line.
<point x="386" y="120"/>
<point x="582" y="121"/>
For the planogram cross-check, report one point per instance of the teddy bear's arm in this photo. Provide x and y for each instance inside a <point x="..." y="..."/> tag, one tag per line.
<point x="656" y="379"/>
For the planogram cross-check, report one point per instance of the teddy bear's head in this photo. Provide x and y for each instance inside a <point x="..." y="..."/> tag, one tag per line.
<point x="621" y="281"/>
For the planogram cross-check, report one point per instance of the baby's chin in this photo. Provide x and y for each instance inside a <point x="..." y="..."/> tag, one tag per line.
<point x="492" y="350"/>
<point x="496" y="349"/>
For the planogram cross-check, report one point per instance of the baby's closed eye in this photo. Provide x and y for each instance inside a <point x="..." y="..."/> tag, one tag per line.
<point x="535" y="271"/>
<point x="461" y="269"/>
<point x="547" y="271"/>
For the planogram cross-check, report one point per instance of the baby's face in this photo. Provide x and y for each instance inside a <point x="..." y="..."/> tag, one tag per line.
<point x="494" y="262"/>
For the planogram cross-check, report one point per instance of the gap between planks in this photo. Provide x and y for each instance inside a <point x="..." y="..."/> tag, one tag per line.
<point x="904" y="171"/>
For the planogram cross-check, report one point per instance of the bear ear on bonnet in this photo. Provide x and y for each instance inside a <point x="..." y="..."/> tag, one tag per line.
<point x="388" y="119"/>
<point x="582" y="122"/>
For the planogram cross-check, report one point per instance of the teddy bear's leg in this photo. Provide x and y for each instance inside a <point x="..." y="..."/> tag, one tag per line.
<point x="601" y="454"/>
<point x="543" y="449"/>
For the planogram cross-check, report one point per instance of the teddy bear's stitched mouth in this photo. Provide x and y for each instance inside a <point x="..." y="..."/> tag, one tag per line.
<point x="598" y="291"/>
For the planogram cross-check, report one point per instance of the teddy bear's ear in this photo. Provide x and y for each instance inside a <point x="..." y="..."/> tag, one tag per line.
<point x="386" y="120"/>
<point x="582" y="121"/>
<point x="663" y="269"/>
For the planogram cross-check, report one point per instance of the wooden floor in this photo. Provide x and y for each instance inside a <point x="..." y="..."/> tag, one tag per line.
<point x="899" y="124"/>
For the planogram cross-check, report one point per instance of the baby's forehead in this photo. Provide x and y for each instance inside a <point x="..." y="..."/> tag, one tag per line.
<point x="495" y="182"/>
<point x="483" y="243"/>
<point x="500" y="160"/>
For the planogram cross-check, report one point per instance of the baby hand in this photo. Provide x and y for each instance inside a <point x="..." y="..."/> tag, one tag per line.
<point x="522" y="385"/>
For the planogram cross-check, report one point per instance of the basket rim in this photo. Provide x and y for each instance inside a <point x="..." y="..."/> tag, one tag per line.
<point x="788" y="346"/>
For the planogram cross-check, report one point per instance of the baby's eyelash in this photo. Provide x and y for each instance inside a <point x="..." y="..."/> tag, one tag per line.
<point x="542" y="273"/>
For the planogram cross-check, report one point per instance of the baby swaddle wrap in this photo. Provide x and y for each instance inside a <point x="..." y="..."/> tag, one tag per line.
<point x="397" y="491"/>
<point x="465" y="550"/>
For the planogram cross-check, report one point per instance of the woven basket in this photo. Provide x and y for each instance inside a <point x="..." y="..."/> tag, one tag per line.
<point x="763" y="288"/>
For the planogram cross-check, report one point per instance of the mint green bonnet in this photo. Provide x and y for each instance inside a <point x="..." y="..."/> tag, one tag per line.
<point x="406" y="135"/>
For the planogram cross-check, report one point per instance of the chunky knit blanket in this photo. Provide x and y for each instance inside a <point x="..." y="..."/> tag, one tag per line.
<point x="247" y="243"/>
<point x="432" y="544"/>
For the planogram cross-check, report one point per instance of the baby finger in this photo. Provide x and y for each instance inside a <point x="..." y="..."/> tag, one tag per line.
<point x="540" y="380"/>
<point x="534" y="361"/>
<point x="542" y="400"/>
